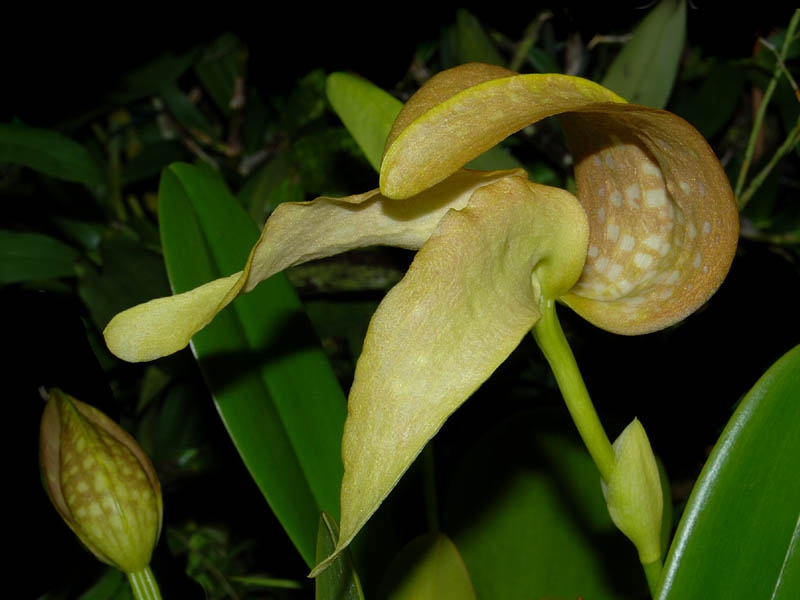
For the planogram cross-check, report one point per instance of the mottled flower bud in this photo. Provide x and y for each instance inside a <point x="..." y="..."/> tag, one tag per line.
<point x="101" y="482"/>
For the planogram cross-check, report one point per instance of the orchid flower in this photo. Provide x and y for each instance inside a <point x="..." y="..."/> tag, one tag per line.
<point x="646" y="240"/>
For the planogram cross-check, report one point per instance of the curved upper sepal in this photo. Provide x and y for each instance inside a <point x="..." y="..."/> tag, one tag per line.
<point x="663" y="219"/>
<point x="462" y="112"/>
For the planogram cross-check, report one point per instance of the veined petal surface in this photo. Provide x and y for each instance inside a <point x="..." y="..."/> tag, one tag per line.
<point x="452" y="119"/>
<point x="295" y="233"/>
<point x="663" y="219"/>
<point x="472" y="293"/>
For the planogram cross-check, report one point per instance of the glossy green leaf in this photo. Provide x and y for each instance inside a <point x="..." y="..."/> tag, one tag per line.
<point x="366" y="110"/>
<point x="273" y="386"/>
<point x="428" y="568"/>
<point x="738" y="537"/>
<point x="47" y="152"/>
<point x="27" y="256"/>
<point x="645" y="69"/>
<point x="340" y="581"/>
<point x="527" y="513"/>
<point x="368" y="113"/>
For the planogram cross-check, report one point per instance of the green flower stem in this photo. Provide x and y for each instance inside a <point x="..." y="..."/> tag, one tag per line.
<point x="144" y="584"/>
<point x="550" y="338"/>
<point x="652" y="571"/>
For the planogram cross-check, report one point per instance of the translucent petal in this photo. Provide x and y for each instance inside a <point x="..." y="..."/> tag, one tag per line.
<point x="472" y="293"/>
<point x="295" y="233"/>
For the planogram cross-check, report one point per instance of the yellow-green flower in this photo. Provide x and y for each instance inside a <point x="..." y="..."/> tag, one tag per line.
<point x="101" y="483"/>
<point x="648" y="239"/>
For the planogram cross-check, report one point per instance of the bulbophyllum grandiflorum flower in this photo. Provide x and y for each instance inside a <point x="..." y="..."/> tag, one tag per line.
<point x="647" y="239"/>
<point x="101" y="483"/>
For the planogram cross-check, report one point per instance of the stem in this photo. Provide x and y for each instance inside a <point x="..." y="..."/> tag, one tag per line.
<point x="787" y="146"/>
<point x="144" y="584"/>
<point x="550" y="338"/>
<point x="751" y="144"/>
<point x="652" y="571"/>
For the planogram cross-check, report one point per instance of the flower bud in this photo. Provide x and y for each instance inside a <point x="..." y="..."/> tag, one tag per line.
<point x="633" y="492"/>
<point x="101" y="482"/>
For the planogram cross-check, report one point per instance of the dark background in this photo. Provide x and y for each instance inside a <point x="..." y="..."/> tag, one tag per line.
<point x="56" y="67"/>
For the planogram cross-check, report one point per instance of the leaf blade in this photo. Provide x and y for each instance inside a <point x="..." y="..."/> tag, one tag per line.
<point x="340" y="581"/>
<point x="283" y="412"/>
<point x="728" y="522"/>
<point x="366" y="110"/>
<point x="28" y="256"/>
<point x="645" y="69"/>
<point x="48" y="152"/>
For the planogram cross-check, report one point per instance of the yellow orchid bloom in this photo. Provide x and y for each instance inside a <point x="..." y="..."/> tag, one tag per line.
<point x="648" y="239"/>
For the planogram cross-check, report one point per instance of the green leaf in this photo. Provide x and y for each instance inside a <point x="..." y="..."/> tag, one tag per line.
<point x="366" y="110"/>
<point x="273" y="386"/>
<point x="47" y="152"/>
<point x="527" y="513"/>
<point x="303" y="105"/>
<point x="428" y="568"/>
<point x="645" y="69"/>
<point x="274" y="183"/>
<point x="184" y="111"/>
<point x="472" y="42"/>
<point x="542" y="61"/>
<point x="714" y="103"/>
<point x="86" y="234"/>
<point x="317" y="157"/>
<point x="218" y="68"/>
<point x="27" y="256"/>
<point x="738" y="537"/>
<point x="130" y="274"/>
<point x="495" y="159"/>
<point x="340" y="580"/>
<point x="153" y="158"/>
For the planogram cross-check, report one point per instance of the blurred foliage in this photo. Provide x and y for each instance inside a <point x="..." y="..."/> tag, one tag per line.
<point x="79" y="241"/>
